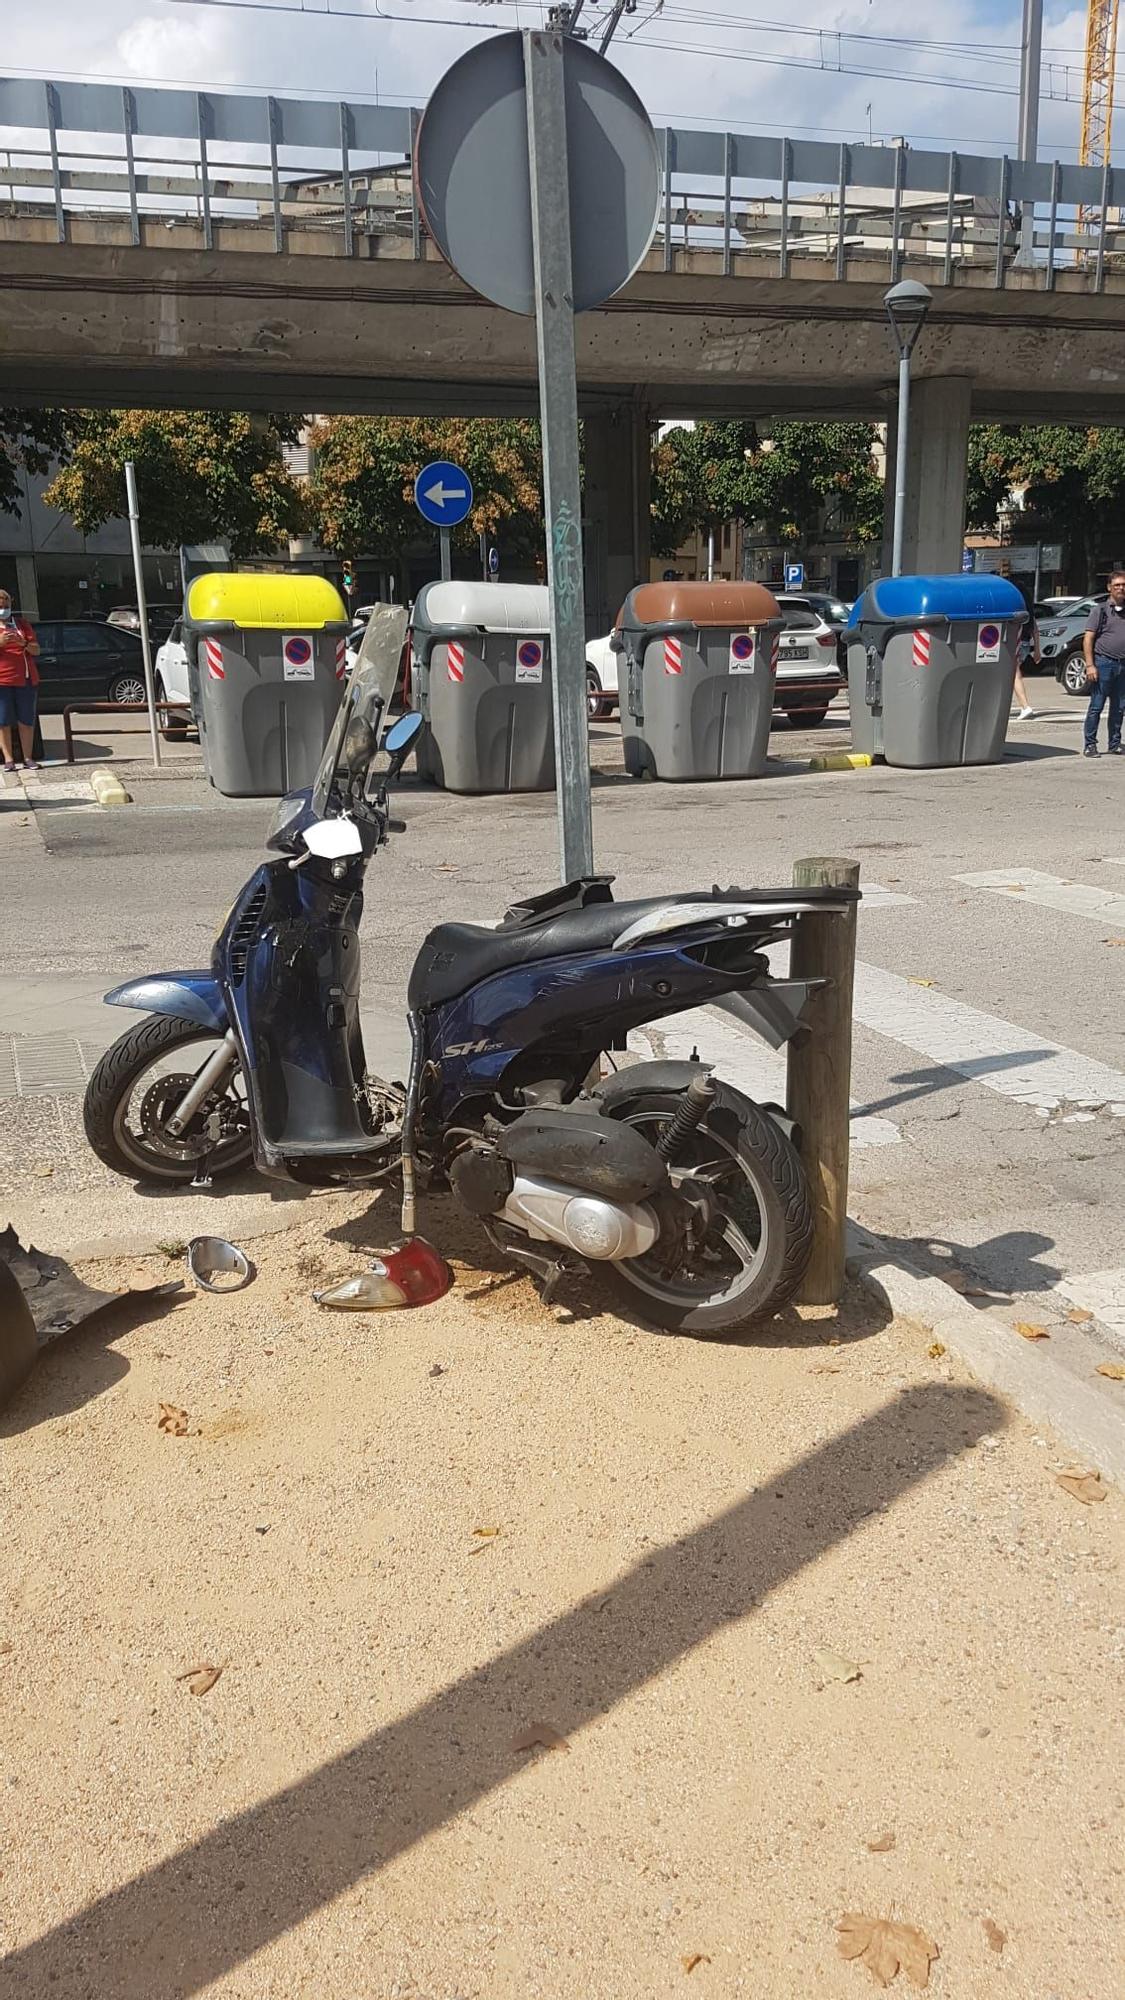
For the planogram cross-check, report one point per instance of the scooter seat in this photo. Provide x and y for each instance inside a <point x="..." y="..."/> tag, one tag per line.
<point x="455" y="957"/>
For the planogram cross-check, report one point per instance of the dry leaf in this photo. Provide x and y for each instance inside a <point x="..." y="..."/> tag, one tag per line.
<point x="487" y="1534"/>
<point x="936" y="1349"/>
<point x="201" y="1679"/>
<point x="172" y="1420"/>
<point x="1030" y="1329"/>
<point x="996" y="1937"/>
<point x="42" y="1170"/>
<point x="1119" y="941"/>
<point x="1079" y="1316"/>
<point x="920" y="982"/>
<point x="882" y="1843"/>
<point x="693" y="1958"/>
<point x="834" y="1667"/>
<point x="824" y="1368"/>
<point x="886" y="1948"/>
<point x="1084" y="1482"/>
<point x="540" y="1736"/>
<point x="1114" y="1369"/>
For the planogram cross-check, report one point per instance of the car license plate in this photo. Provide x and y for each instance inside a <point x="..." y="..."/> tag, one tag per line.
<point x="795" y="653"/>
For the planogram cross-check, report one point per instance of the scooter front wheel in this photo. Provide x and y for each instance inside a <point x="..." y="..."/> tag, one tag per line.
<point x="134" y="1091"/>
<point x="758" y="1246"/>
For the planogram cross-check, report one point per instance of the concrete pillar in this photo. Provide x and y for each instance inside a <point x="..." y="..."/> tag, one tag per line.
<point x="936" y="471"/>
<point x="617" y="498"/>
<point x="27" y="586"/>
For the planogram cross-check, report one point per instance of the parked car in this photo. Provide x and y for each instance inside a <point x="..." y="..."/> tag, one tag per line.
<point x="161" y="618"/>
<point x="356" y="630"/>
<point x="173" y="683"/>
<point x="810" y="664"/>
<point x="80" y="661"/>
<point x="1060" y="642"/>
<point x="601" y="678"/>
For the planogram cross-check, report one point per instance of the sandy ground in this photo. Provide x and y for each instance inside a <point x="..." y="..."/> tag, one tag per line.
<point x="681" y="1527"/>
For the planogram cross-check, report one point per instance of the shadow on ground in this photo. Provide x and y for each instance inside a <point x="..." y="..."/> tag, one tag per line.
<point x="188" y="1921"/>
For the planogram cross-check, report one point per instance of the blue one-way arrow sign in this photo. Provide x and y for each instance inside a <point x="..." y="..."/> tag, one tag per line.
<point x="443" y="494"/>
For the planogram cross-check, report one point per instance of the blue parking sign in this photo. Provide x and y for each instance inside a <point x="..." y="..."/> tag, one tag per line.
<point x="794" y="576"/>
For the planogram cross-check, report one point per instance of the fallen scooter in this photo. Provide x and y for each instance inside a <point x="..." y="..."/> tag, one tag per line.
<point x="685" y="1195"/>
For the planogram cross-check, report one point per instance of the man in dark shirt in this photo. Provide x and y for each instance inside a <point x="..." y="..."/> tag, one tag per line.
<point x="1103" y="645"/>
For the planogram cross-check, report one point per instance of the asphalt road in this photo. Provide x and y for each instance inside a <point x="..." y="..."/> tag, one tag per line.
<point x="989" y="1068"/>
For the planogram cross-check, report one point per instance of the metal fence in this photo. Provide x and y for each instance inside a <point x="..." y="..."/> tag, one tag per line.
<point x="279" y="173"/>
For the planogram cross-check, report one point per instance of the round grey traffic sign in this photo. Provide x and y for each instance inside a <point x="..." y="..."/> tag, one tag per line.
<point x="474" y="186"/>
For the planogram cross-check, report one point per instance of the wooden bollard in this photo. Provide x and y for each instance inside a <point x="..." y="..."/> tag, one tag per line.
<point x="820" y="1069"/>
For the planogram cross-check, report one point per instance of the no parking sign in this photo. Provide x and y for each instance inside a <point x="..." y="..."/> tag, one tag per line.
<point x="529" y="660"/>
<point x="988" y="642"/>
<point x="297" y="662"/>
<point x="741" y="653"/>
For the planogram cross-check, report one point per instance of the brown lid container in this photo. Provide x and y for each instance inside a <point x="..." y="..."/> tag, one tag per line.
<point x="735" y="604"/>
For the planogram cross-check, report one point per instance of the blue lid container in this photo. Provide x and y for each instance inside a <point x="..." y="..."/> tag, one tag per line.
<point x="904" y="600"/>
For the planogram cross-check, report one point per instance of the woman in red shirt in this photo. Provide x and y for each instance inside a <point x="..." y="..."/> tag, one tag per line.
<point x="19" y="683"/>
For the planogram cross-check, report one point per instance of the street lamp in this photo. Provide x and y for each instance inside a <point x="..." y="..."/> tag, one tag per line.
<point x="907" y="304"/>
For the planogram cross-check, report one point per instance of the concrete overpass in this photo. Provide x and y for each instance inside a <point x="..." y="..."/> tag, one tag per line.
<point x="184" y="258"/>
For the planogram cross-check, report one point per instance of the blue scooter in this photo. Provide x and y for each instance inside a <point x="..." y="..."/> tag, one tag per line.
<point x="687" y="1196"/>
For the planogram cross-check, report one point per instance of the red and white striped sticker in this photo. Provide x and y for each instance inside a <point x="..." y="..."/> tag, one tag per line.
<point x="213" y="654"/>
<point x="673" y="656"/>
<point x="920" y="653"/>
<point x="455" y="660"/>
<point x="775" y="653"/>
<point x="341" y="658"/>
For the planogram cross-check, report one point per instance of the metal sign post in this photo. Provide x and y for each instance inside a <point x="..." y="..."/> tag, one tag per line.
<point x="443" y="495"/>
<point x="142" y="605"/>
<point x="558" y="417"/>
<point x="446" y="554"/>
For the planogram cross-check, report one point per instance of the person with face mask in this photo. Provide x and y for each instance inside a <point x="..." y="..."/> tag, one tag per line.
<point x="19" y="685"/>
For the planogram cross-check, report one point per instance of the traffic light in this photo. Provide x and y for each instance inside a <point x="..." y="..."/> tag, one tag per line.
<point x="349" y="577"/>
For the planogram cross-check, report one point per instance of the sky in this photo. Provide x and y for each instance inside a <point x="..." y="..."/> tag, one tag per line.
<point x="945" y="77"/>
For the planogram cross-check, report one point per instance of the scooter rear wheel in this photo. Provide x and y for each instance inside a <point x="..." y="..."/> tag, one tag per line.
<point x="756" y="1256"/>
<point x="145" y="1072"/>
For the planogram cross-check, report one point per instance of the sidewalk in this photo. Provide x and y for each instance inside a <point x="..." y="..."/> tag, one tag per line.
<point x="809" y="1622"/>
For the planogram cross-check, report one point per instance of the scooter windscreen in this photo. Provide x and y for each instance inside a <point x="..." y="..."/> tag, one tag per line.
<point x="366" y="702"/>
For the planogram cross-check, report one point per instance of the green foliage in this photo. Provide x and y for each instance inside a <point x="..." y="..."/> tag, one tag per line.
<point x="1073" y="478"/>
<point x="365" y="467"/>
<point x="30" y="440"/>
<point x="201" y="476"/>
<point x="786" y="479"/>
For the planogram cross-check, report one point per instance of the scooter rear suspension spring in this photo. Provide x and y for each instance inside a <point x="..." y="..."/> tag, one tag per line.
<point x="691" y="1109"/>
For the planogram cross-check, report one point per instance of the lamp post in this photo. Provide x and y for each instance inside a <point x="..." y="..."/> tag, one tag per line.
<point x="907" y="305"/>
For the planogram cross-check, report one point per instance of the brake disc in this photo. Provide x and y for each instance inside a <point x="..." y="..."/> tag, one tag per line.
<point x="157" y="1105"/>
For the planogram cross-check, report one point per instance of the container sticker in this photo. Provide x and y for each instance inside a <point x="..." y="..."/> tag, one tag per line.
<point x="988" y="642"/>
<point x="213" y="654"/>
<point x="742" y="652"/>
<point x="298" y="663"/>
<point x="529" y="661"/>
<point x="920" y="650"/>
<point x="455" y="661"/>
<point x="673" y="656"/>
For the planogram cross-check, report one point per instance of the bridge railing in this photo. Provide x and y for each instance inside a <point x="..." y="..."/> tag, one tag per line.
<point x="82" y="162"/>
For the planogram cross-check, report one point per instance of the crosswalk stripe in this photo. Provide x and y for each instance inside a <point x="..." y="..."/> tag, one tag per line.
<point x="876" y="897"/>
<point x="1051" y="892"/>
<point x="1102" y="1293"/>
<point x="740" y="1058"/>
<point x="1013" y="1061"/>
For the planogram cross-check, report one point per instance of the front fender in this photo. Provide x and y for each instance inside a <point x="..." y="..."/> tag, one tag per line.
<point x="186" y="996"/>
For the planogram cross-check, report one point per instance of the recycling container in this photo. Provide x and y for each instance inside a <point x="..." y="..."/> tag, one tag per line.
<point x="481" y="669"/>
<point x="266" y="665"/>
<point x="701" y="661"/>
<point x="931" y="661"/>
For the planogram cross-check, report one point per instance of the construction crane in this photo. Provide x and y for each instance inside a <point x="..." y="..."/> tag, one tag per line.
<point x="1097" y="93"/>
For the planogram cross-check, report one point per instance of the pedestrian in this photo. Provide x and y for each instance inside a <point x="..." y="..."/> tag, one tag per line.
<point x="1103" y="646"/>
<point x="1027" y="655"/>
<point x="19" y="684"/>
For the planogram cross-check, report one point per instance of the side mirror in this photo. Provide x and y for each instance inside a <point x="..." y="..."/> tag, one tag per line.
<point x="400" y="737"/>
<point x="332" y="839"/>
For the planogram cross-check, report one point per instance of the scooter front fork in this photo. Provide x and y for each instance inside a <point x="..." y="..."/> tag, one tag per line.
<point x="210" y="1077"/>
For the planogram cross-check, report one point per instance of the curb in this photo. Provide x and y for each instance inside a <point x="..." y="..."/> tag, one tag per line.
<point x="841" y="760"/>
<point x="1042" y="1388"/>
<point x="108" y="789"/>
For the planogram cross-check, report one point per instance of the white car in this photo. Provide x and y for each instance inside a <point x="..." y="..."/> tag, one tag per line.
<point x="601" y="678"/>
<point x="808" y="664"/>
<point x="170" y="675"/>
<point x="358" y="627"/>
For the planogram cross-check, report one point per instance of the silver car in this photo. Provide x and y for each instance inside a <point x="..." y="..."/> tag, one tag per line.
<point x="1060" y="641"/>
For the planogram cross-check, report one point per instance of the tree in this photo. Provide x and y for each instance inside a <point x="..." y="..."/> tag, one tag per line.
<point x="1073" y="481"/>
<point x="787" y="478"/>
<point x="31" y="441"/>
<point x="201" y="476"/>
<point x="365" y="467"/>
